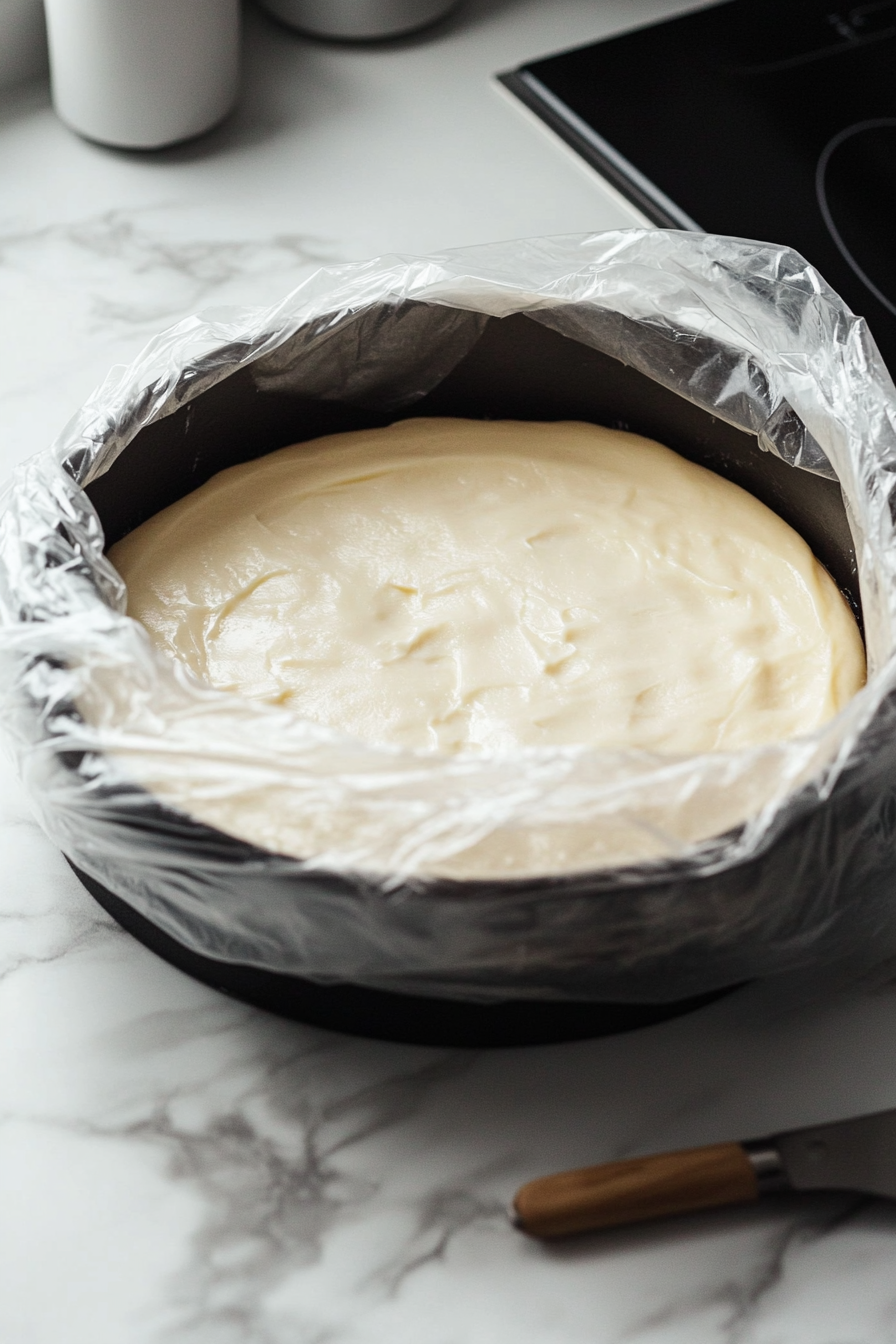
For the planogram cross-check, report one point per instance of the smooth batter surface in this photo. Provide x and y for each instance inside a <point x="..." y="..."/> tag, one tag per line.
<point x="451" y="585"/>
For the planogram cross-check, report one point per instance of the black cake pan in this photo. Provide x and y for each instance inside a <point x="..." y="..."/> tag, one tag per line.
<point x="825" y="878"/>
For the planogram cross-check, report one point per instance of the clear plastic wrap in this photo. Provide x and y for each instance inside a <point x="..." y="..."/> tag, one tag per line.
<point x="423" y="873"/>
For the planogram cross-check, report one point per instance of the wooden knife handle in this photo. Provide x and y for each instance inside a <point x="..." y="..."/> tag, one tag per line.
<point x="635" y="1191"/>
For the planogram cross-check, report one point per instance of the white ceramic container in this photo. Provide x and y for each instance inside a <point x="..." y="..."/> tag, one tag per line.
<point x="358" y="20"/>
<point x="140" y="74"/>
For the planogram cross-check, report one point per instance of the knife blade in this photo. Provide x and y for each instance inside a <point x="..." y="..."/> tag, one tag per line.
<point x="857" y="1155"/>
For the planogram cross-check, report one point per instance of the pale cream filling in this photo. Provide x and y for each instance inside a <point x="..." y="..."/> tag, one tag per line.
<point x="454" y="586"/>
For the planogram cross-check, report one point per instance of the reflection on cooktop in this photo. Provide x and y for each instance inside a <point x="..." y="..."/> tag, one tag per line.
<point x="855" y="183"/>
<point x="752" y="117"/>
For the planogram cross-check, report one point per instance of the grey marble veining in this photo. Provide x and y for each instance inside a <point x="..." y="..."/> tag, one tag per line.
<point x="98" y="287"/>
<point x="176" y="1168"/>
<point x="132" y="272"/>
<point x="190" y="1170"/>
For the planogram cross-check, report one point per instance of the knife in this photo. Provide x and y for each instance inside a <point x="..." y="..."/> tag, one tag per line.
<point x="857" y="1155"/>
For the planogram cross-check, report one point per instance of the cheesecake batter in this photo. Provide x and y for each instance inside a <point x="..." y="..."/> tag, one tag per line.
<point x="456" y="585"/>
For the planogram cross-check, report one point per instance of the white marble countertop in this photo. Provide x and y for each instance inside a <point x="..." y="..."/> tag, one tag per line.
<point x="179" y="1169"/>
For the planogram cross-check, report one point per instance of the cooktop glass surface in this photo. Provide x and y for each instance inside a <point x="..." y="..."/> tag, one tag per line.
<point x="768" y="120"/>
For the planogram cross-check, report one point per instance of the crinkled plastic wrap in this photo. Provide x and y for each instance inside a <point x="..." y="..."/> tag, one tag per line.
<point x="423" y="873"/>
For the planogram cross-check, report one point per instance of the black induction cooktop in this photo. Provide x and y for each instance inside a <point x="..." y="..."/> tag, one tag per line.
<point x="767" y="119"/>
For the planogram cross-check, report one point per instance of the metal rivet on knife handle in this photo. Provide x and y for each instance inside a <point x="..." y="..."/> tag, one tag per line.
<point x="768" y="1165"/>
<point x="644" y="1188"/>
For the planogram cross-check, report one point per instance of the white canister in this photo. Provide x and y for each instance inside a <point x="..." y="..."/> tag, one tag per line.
<point x="141" y="74"/>
<point x="358" y="20"/>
